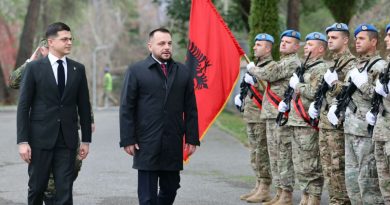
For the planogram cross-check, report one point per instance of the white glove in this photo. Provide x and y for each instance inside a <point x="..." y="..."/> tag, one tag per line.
<point x="283" y="107"/>
<point x="249" y="79"/>
<point x="330" y="77"/>
<point x="312" y="111"/>
<point x="294" y="80"/>
<point x="359" y="78"/>
<point x="379" y="88"/>
<point x="237" y="100"/>
<point x="332" y="116"/>
<point x="370" y="118"/>
<point x="250" y="66"/>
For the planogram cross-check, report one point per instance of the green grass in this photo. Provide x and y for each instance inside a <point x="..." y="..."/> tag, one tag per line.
<point x="232" y="123"/>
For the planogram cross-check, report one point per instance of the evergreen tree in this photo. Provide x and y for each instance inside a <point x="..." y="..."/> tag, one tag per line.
<point x="264" y="18"/>
<point x="342" y="11"/>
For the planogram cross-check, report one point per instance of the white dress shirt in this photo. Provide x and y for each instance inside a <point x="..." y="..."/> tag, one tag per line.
<point x="54" y="65"/>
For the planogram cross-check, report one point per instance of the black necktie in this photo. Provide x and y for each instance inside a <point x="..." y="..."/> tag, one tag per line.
<point x="60" y="77"/>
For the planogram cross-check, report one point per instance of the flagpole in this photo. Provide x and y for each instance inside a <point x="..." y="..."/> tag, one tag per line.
<point x="247" y="59"/>
<point x="260" y="81"/>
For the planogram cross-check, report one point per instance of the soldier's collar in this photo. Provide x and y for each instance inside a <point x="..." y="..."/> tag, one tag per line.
<point x="347" y="52"/>
<point x="289" y="55"/>
<point x="313" y="60"/>
<point x="267" y="58"/>
<point x="368" y="56"/>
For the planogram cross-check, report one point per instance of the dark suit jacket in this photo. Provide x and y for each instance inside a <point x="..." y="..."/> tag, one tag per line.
<point x="42" y="112"/>
<point x="156" y="113"/>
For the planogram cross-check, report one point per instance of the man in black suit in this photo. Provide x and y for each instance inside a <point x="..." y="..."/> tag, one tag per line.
<point x="157" y="109"/>
<point x="54" y="93"/>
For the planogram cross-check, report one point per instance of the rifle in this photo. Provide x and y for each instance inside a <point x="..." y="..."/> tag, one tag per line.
<point x="288" y="94"/>
<point x="321" y="94"/>
<point x="244" y="88"/>
<point x="344" y="99"/>
<point x="377" y="99"/>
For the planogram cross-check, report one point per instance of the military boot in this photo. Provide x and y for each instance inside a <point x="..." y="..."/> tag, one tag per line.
<point x="304" y="199"/>
<point x="262" y="195"/>
<point x="276" y="197"/>
<point x="285" y="198"/>
<point x="314" y="200"/>
<point x="253" y="191"/>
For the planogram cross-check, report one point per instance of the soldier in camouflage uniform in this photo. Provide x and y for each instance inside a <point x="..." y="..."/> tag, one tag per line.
<point x="381" y="133"/>
<point x="331" y="139"/>
<point x="305" y="148"/>
<point x="360" y="165"/>
<point x="277" y="76"/>
<point x="16" y="76"/>
<point x="256" y="127"/>
<point x="14" y="82"/>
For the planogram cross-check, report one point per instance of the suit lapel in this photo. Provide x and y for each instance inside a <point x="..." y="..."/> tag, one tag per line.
<point x="171" y="75"/>
<point x="71" y="71"/>
<point x="50" y="76"/>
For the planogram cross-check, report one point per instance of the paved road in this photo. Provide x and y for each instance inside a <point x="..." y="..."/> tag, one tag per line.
<point x="216" y="175"/>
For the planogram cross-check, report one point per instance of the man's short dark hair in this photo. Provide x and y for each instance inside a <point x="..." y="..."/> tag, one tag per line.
<point x="372" y="35"/>
<point x="163" y="30"/>
<point x="54" y="28"/>
<point x="323" y="44"/>
<point x="345" y="33"/>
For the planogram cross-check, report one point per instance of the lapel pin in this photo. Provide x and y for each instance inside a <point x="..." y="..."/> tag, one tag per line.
<point x="74" y="68"/>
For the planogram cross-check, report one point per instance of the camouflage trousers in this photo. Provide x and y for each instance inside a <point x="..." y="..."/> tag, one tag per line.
<point x="258" y="152"/>
<point x="51" y="188"/>
<point x="306" y="158"/>
<point x="382" y="157"/>
<point x="361" y="176"/>
<point x="332" y="155"/>
<point x="285" y="161"/>
<point x="273" y="151"/>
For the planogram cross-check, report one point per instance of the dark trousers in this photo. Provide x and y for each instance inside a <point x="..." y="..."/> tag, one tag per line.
<point x="59" y="160"/>
<point x="168" y="181"/>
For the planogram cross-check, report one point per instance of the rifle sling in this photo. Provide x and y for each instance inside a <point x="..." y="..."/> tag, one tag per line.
<point x="258" y="97"/>
<point x="262" y="65"/>
<point x="345" y="64"/>
<point x="351" y="104"/>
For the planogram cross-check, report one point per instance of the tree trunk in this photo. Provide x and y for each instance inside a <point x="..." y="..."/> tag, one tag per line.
<point x="293" y="14"/>
<point x="28" y="34"/>
<point x="245" y="6"/>
<point x="4" y="91"/>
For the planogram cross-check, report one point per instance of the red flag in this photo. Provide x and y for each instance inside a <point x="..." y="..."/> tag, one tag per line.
<point x="214" y="55"/>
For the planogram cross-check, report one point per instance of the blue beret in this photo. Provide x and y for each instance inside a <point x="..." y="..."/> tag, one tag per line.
<point x="387" y="27"/>
<point x="316" y="36"/>
<point x="291" y="33"/>
<point x="337" y="27"/>
<point x="365" y="27"/>
<point x="264" y="37"/>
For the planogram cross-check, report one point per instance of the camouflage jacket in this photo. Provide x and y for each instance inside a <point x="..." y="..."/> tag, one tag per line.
<point x="251" y="110"/>
<point x="382" y="128"/>
<point x="277" y="76"/>
<point x="344" y="64"/>
<point x="16" y="77"/>
<point x="355" y="123"/>
<point x="312" y="79"/>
